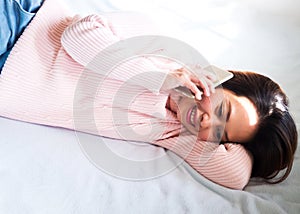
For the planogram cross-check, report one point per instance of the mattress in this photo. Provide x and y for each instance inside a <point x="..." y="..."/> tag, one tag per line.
<point x="46" y="169"/>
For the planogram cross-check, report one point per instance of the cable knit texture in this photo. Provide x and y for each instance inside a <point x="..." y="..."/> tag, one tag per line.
<point x="41" y="80"/>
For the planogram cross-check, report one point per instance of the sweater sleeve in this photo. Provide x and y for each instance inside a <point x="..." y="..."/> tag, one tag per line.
<point x="229" y="164"/>
<point x="99" y="43"/>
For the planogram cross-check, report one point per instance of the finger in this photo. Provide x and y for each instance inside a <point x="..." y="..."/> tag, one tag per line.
<point x="212" y="87"/>
<point x="193" y="87"/>
<point x="205" y="88"/>
<point x="209" y="79"/>
<point x="210" y="84"/>
<point x="205" y="84"/>
<point x="191" y="81"/>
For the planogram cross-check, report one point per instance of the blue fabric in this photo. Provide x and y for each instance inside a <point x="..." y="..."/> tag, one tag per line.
<point x="15" y="15"/>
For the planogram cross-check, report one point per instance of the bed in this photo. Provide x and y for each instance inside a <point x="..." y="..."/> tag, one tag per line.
<point x="46" y="170"/>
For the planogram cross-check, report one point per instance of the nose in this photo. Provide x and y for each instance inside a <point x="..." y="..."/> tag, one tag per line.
<point x="205" y="121"/>
<point x="208" y="120"/>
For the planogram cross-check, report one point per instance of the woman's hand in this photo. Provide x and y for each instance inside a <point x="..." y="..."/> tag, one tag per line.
<point x="193" y="77"/>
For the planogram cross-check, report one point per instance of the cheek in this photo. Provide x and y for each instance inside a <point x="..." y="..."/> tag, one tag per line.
<point x="204" y="134"/>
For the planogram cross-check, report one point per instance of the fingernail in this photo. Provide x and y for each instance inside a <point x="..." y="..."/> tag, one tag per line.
<point x="199" y="97"/>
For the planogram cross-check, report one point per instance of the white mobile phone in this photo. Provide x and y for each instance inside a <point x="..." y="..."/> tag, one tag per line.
<point x="222" y="76"/>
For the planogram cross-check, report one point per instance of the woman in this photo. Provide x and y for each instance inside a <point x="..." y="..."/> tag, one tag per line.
<point x="42" y="85"/>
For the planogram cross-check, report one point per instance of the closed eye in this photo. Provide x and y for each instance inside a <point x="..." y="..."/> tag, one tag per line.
<point x="219" y="131"/>
<point x="220" y="111"/>
<point x="228" y="107"/>
<point x="219" y="134"/>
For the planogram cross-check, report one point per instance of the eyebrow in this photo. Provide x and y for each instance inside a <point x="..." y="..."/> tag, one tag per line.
<point x="227" y="118"/>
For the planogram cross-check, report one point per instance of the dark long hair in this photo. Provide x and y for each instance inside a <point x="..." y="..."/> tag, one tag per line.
<point x="275" y="141"/>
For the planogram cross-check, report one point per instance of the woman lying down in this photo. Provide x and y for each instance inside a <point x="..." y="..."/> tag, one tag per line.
<point x="246" y="121"/>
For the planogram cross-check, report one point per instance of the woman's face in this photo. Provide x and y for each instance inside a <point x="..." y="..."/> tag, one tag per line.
<point x="221" y="117"/>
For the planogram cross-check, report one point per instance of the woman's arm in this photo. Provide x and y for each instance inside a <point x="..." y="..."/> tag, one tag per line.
<point x="229" y="164"/>
<point x="99" y="43"/>
<point x="91" y="39"/>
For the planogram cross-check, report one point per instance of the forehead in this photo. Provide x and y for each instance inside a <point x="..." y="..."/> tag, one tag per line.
<point x="243" y="120"/>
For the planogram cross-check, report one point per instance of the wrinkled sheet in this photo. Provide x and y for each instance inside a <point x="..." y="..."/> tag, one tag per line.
<point x="45" y="170"/>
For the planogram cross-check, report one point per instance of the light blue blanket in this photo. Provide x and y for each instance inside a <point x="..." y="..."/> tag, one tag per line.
<point x="14" y="17"/>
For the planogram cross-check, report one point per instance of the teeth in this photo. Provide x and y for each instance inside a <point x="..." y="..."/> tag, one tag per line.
<point x="193" y="116"/>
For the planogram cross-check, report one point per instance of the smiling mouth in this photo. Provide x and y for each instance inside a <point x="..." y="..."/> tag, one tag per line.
<point x="191" y="116"/>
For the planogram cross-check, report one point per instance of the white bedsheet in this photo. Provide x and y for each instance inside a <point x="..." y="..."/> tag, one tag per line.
<point x="44" y="170"/>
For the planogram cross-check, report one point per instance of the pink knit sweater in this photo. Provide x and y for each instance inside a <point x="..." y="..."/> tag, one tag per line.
<point x="39" y="81"/>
